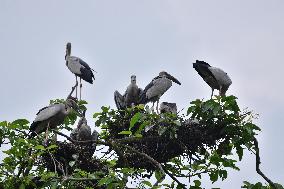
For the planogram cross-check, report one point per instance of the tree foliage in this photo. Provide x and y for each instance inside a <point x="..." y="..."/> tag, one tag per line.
<point x="135" y="143"/>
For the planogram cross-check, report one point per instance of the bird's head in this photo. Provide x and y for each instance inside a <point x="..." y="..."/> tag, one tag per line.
<point x="169" y="76"/>
<point x="133" y="79"/>
<point x="68" y="50"/>
<point x="71" y="102"/>
<point x="82" y="121"/>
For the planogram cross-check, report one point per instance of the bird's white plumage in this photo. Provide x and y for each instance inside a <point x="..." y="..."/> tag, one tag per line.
<point x="50" y="111"/>
<point x="73" y="64"/>
<point x="160" y="86"/>
<point x="222" y="77"/>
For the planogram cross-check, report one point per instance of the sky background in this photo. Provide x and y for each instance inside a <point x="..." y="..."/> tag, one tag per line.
<point x="121" y="38"/>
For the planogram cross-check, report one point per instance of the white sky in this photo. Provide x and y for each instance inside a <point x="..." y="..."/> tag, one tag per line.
<point x="121" y="38"/>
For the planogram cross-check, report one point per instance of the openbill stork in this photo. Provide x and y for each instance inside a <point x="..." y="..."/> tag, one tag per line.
<point x="83" y="132"/>
<point x="130" y="97"/>
<point x="156" y="88"/>
<point x="167" y="107"/>
<point x="53" y="115"/>
<point x="216" y="78"/>
<point x="78" y="67"/>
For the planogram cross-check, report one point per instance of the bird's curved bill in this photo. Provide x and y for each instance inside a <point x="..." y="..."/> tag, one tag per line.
<point x="173" y="79"/>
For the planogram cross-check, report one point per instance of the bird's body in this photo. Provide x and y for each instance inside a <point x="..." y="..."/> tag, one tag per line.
<point x="78" y="67"/>
<point x="130" y="97"/>
<point x="216" y="78"/>
<point x="82" y="132"/>
<point x="51" y="116"/>
<point x="156" y="88"/>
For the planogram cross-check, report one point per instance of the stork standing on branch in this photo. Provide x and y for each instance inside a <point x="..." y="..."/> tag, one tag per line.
<point x="53" y="115"/>
<point x="156" y="88"/>
<point x="130" y="97"/>
<point x="78" y="67"/>
<point x="216" y="78"/>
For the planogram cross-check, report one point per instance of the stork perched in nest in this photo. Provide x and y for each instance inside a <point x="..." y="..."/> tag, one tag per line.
<point x="156" y="88"/>
<point x="53" y="115"/>
<point x="130" y="97"/>
<point x="216" y="78"/>
<point x="78" y="67"/>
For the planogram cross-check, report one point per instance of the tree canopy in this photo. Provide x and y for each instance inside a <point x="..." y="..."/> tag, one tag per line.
<point x="135" y="143"/>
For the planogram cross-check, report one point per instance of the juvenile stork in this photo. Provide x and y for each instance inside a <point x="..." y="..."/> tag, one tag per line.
<point x="83" y="130"/>
<point x="130" y="97"/>
<point x="216" y="78"/>
<point x="78" y="67"/>
<point x="167" y="107"/>
<point x="53" y="115"/>
<point x="156" y="88"/>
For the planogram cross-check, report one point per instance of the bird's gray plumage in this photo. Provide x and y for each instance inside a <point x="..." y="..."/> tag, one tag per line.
<point x="166" y="107"/>
<point x="132" y="93"/>
<point x="80" y="68"/>
<point x="157" y="87"/>
<point x="119" y="100"/>
<point x="130" y="97"/>
<point x="51" y="116"/>
<point x="82" y="132"/>
<point x="216" y="78"/>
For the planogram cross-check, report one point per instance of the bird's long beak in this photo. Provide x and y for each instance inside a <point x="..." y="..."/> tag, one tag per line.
<point x="173" y="78"/>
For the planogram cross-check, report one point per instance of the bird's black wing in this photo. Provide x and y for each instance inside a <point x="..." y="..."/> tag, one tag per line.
<point x="83" y="63"/>
<point x="202" y="69"/>
<point x="41" y="109"/>
<point x="142" y="97"/>
<point x="119" y="100"/>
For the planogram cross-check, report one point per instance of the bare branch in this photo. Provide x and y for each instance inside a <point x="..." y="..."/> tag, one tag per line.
<point x="257" y="157"/>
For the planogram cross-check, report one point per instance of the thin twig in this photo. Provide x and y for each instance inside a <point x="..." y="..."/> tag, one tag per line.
<point x="175" y="179"/>
<point x="257" y="159"/>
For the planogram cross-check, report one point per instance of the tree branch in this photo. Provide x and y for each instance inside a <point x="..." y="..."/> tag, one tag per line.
<point x="257" y="157"/>
<point x="175" y="179"/>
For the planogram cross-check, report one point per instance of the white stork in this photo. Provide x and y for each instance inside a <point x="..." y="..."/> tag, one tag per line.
<point x="78" y="67"/>
<point x="156" y="88"/>
<point x="216" y="78"/>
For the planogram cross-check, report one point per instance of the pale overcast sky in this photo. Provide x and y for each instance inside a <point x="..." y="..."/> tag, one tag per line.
<point x="125" y="37"/>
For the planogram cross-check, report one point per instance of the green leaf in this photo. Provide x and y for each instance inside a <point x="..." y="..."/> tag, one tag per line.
<point x="147" y="183"/>
<point x="39" y="147"/>
<point x="134" y="119"/>
<point x="20" y="122"/>
<point x="22" y="186"/>
<point x="197" y="182"/>
<point x="240" y="152"/>
<point x="125" y="133"/>
<point x="214" y="176"/>
<point x="51" y="146"/>
<point x="159" y="176"/>
<point x="96" y="115"/>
